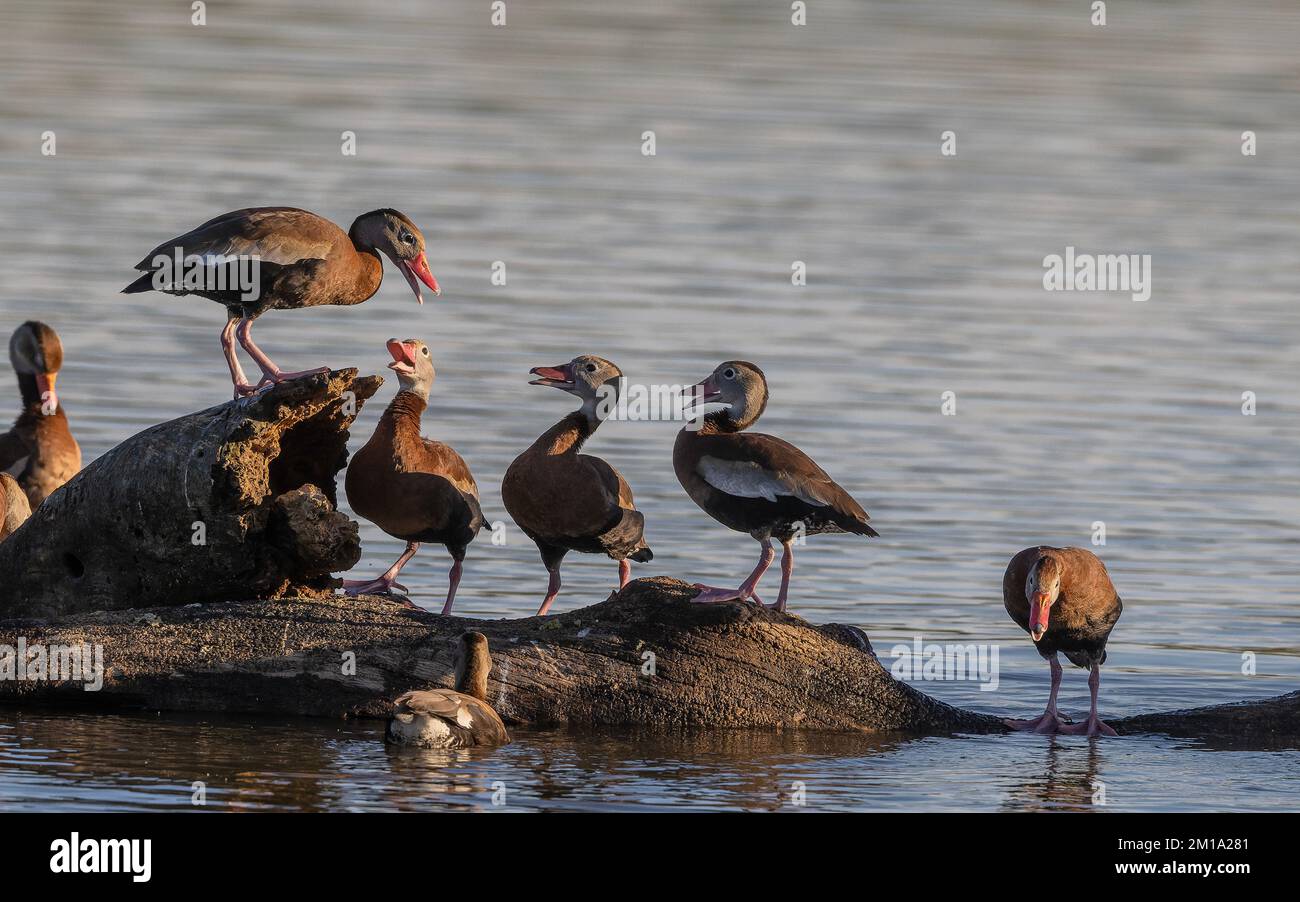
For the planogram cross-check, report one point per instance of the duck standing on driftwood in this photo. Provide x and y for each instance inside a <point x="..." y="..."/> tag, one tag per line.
<point x="14" y="507"/>
<point x="754" y="483"/>
<point x="411" y="487"/>
<point x="39" y="451"/>
<point x="451" y="718"/>
<point x="1064" y="599"/>
<point x="566" y="501"/>
<point x="303" y="260"/>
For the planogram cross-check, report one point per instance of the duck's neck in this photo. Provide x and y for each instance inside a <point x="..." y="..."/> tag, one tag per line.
<point x="568" y="435"/>
<point x="402" y="417"/>
<point x="369" y="272"/>
<point x="32" y="400"/>
<point x="473" y="681"/>
<point x="719" y="422"/>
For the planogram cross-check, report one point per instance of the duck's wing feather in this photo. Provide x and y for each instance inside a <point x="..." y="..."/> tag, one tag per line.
<point x="282" y="235"/>
<point x="14" y="446"/>
<point x="478" y="723"/>
<point x="753" y="465"/>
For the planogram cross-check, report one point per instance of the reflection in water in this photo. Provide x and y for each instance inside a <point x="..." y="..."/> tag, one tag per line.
<point x="55" y="761"/>
<point x="1066" y="782"/>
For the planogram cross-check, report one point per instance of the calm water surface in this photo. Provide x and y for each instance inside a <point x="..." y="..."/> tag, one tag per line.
<point x="775" y="144"/>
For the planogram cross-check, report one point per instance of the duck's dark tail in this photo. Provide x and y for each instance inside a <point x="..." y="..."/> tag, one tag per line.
<point x="863" y="529"/>
<point x="144" y="283"/>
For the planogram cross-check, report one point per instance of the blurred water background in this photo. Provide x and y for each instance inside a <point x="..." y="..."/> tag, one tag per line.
<point x="775" y="144"/>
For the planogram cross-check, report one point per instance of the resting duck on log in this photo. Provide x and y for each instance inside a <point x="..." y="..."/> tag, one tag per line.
<point x="411" y="487"/>
<point x="566" y="501"/>
<point x="14" y="507"/>
<point x="304" y="260"/>
<point x="1064" y="599"/>
<point x="754" y="483"/>
<point x="39" y="451"/>
<point x="451" y="718"/>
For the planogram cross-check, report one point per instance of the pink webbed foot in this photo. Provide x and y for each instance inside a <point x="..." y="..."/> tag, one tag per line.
<point x="1093" y="726"/>
<point x="714" y="595"/>
<point x="285" y="377"/>
<point x="1047" y="723"/>
<point x="378" y="586"/>
<point x="244" y="390"/>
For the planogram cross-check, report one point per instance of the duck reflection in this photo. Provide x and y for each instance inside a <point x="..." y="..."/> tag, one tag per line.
<point x="1068" y="780"/>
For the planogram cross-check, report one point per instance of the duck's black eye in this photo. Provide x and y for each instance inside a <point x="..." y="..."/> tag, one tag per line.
<point x="729" y="373"/>
<point x="591" y="367"/>
<point x="424" y="351"/>
<point x="408" y="238"/>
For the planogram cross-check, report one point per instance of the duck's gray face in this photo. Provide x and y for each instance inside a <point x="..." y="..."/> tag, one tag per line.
<point x="739" y="385"/>
<point x="1042" y="589"/>
<point x="583" y="376"/>
<point x="35" y="350"/>
<point x="413" y="364"/>
<point x="393" y="234"/>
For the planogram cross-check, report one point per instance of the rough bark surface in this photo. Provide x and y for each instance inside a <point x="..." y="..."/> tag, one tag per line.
<point x="257" y="474"/>
<point x="647" y="657"/>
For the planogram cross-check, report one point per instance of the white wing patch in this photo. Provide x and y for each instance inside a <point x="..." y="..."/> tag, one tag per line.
<point x="746" y="479"/>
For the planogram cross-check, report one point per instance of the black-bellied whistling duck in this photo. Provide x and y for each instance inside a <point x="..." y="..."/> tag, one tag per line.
<point x="566" y="501"/>
<point x="1064" y="599"/>
<point x="409" y="486"/>
<point x="304" y="260"/>
<point x="14" y="507"/>
<point x="756" y="483"/>
<point x="451" y="718"/>
<point x="39" y="450"/>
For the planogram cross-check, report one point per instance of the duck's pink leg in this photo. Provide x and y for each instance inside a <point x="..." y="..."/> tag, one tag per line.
<point x="552" y="590"/>
<point x="270" y="372"/>
<point x="624" y="572"/>
<point x="386" y="582"/>
<point x="1093" y="726"/>
<point x="787" y="568"/>
<point x="745" y="592"/>
<point x="242" y="386"/>
<point x="453" y="580"/>
<point x="1050" y="721"/>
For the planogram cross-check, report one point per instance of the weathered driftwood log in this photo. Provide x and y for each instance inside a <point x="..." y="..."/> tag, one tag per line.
<point x="232" y="502"/>
<point x="647" y="656"/>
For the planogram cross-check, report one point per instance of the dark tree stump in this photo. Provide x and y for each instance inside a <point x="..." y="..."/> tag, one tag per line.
<point x="233" y="502"/>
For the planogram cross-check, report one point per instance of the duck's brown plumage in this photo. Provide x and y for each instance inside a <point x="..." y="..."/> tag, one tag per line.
<point x="39" y="451"/>
<point x="762" y="485"/>
<point x="305" y="260"/>
<point x="452" y="718"/>
<point x="14" y="507"/>
<point x="1084" y="613"/>
<point x="411" y="487"/>
<point x="567" y="501"/>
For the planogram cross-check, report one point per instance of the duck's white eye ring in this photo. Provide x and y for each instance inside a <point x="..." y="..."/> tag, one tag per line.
<point x="424" y="351"/>
<point x="591" y="367"/>
<point x="729" y="373"/>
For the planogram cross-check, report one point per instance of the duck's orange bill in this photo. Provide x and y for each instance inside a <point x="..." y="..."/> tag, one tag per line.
<point x="403" y="356"/>
<point x="420" y="266"/>
<point x="45" y="387"/>
<point x="1039" y="609"/>
<point x="549" y="375"/>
